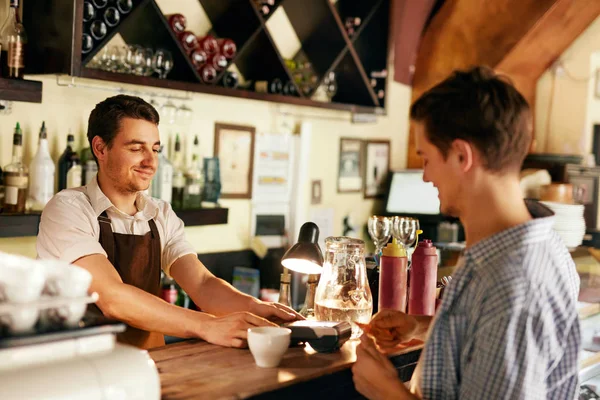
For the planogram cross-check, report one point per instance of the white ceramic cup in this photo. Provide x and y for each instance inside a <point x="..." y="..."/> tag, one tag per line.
<point x="268" y="344"/>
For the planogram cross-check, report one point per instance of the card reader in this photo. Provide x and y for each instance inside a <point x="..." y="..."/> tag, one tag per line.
<point x="323" y="336"/>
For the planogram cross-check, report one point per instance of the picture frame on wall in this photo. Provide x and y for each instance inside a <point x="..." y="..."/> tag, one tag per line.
<point x="377" y="167"/>
<point x="234" y="146"/>
<point x="350" y="166"/>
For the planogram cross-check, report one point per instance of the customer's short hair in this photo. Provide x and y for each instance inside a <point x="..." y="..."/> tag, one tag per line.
<point x="105" y="119"/>
<point x="482" y="108"/>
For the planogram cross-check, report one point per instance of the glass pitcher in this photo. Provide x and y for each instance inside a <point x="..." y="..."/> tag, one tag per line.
<point x="343" y="293"/>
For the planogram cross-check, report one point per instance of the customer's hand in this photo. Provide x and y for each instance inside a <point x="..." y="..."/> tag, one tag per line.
<point x="390" y="328"/>
<point x="374" y="375"/>
<point x="231" y="330"/>
<point x="274" y="312"/>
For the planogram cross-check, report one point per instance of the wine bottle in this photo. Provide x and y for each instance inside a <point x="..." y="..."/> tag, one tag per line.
<point x="13" y="40"/>
<point x="227" y="47"/>
<point x="87" y="43"/>
<point x="230" y="80"/>
<point x="209" y="44"/>
<point x="189" y="41"/>
<point x="208" y="73"/>
<point x="289" y="89"/>
<point x="177" y="22"/>
<point x="198" y="58"/>
<point x="218" y="61"/>
<point x="192" y="195"/>
<point x="100" y="3"/>
<point x="274" y="87"/>
<point x="124" y="6"/>
<point x="89" y="12"/>
<point x="162" y="183"/>
<point x="112" y="16"/>
<point x="98" y="29"/>
<point x="89" y="165"/>
<point x="69" y="166"/>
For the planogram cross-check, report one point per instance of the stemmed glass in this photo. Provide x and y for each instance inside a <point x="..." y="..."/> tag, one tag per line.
<point x="405" y="230"/>
<point x="162" y="63"/>
<point x="380" y="230"/>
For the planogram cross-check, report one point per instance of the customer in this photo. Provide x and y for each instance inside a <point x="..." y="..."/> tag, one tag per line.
<point x="507" y="327"/>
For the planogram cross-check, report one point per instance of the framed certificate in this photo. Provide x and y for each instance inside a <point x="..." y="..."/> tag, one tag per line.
<point x="377" y="166"/>
<point x="234" y="145"/>
<point x="350" y="166"/>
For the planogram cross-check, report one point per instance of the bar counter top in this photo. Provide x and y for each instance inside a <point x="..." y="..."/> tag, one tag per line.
<point x="195" y="369"/>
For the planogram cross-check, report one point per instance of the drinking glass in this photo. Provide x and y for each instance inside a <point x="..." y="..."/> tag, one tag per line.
<point x="405" y="230"/>
<point x="168" y="112"/>
<point x="162" y="63"/>
<point x="380" y="230"/>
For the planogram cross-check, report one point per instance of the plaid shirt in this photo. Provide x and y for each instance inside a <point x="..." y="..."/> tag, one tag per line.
<point x="507" y="327"/>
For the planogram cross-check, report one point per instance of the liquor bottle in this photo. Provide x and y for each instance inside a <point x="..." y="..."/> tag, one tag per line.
<point x="227" y="47"/>
<point x="177" y="23"/>
<point x="41" y="170"/>
<point x="189" y="41"/>
<point x="112" y="17"/>
<point x="308" y="310"/>
<point x="218" y="61"/>
<point x="89" y="165"/>
<point x="162" y="183"/>
<point x="192" y="195"/>
<point x="16" y="177"/>
<point x="285" y="297"/>
<point x="208" y="73"/>
<point x="13" y="40"/>
<point x="198" y="58"/>
<point x="230" y="79"/>
<point x="209" y="44"/>
<point x="124" y="6"/>
<point x="178" y="177"/>
<point x="183" y="300"/>
<point x="69" y="166"/>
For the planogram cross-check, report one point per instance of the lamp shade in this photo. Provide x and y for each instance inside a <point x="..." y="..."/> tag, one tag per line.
<point x="305" y="256"/>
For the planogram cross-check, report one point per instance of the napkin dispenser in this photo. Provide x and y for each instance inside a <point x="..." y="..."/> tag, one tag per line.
<point x="323" y="336"/>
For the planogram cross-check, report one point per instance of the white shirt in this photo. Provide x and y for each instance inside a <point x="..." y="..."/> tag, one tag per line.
<point x="69" y="227"/>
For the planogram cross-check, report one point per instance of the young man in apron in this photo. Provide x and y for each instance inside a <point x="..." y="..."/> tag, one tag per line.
<point x="124" y="238"/>
<point x="507" y="326"/>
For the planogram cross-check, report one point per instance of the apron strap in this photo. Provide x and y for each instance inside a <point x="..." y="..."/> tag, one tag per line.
<point x="107" y="239"/>
<point x="156" y="247"/>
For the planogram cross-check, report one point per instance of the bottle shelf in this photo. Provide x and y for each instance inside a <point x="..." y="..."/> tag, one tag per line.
<point x="19" y="225"/>
<point x="319" y="25"/>
<point x="20" y="90"/>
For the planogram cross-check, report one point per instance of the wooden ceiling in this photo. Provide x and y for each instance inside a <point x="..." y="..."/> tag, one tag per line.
<point x="520" y="38"/>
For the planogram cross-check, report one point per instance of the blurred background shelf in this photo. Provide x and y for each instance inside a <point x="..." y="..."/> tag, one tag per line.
<point x="20" y="90"/>
<point x="18" y="225"/>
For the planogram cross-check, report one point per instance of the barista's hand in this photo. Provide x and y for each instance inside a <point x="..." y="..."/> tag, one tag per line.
<point x="374" y="375"/>
<point x="275" y="312"/>
<point x="231" y="330"/>
<point x="390" y="328"/>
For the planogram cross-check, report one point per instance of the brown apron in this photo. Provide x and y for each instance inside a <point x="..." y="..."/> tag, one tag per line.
<point x="137" y="260"/>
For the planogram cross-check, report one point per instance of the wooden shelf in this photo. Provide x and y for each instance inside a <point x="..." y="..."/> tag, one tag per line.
<point x="203" y="216"/>
<point x="19" y="225"/>
<point x="325" y="46"/>
<point x="20" y="90"/>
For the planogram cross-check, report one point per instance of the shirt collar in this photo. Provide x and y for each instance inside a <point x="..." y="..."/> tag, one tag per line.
<point x="101" y="203"/>
<point x="539" y="229"/>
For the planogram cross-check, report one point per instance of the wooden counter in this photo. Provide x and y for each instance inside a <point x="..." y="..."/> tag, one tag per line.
<point x="198" y="370"/>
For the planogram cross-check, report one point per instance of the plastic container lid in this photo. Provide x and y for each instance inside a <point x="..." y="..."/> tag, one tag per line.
<point x="394" y="249"/>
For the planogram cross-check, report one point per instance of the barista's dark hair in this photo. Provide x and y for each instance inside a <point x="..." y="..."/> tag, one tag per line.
<point x="482" y="108"/>
<point x="105" y="119"/>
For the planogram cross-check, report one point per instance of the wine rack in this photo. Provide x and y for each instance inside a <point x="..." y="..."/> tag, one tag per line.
<point x="327" y="46"/>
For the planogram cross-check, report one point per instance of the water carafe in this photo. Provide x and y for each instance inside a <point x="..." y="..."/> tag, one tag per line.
<point x="343" y="293"/>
